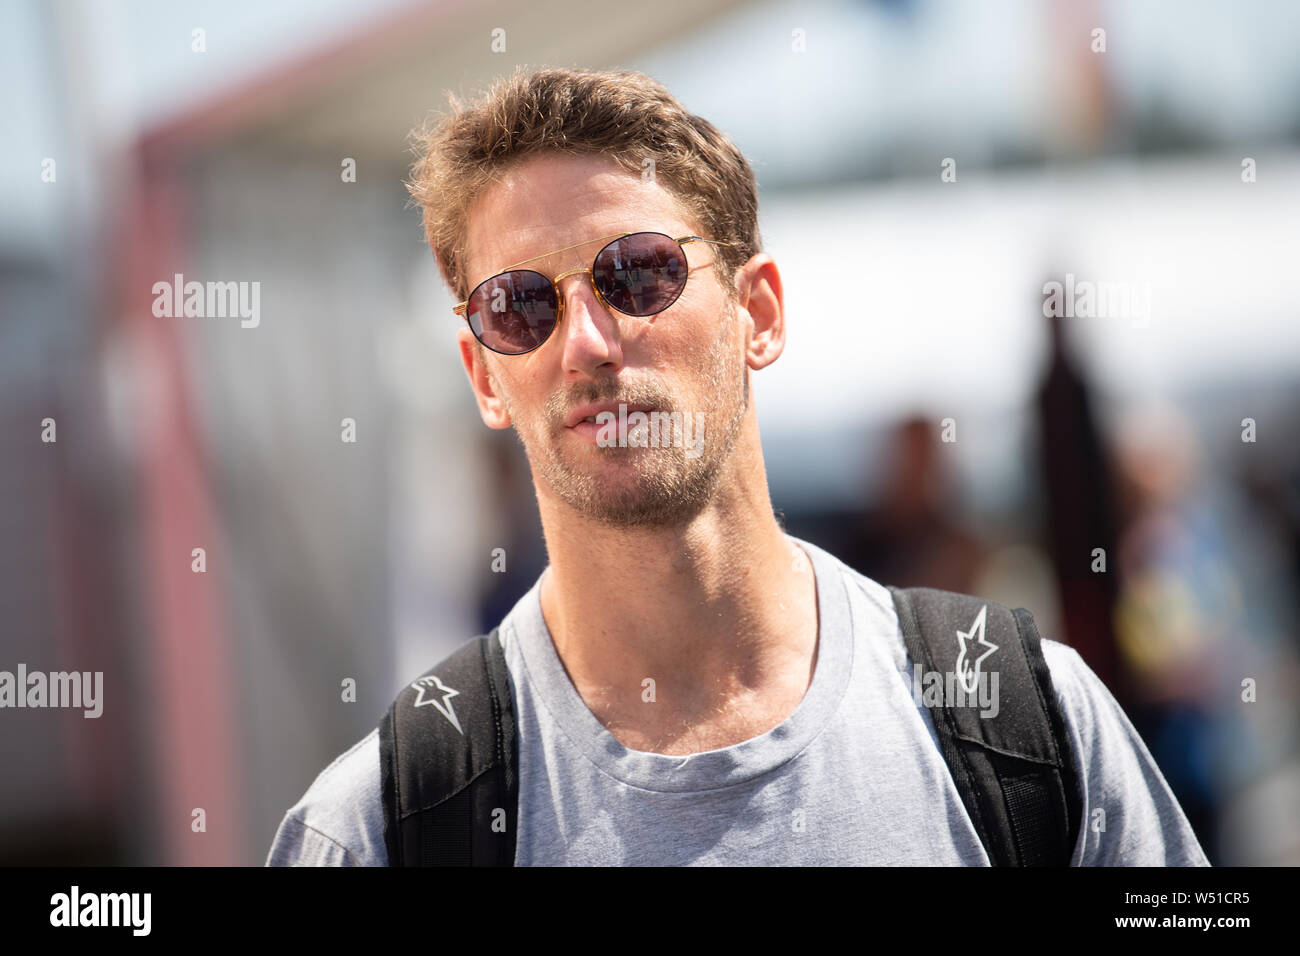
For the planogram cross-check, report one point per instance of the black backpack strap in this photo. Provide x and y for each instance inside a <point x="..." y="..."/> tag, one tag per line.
<point x="449" y="763"/>
<point x="1014" y="769"/>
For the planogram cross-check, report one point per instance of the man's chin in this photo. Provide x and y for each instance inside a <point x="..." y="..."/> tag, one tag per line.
<point x="638" y="513"/>
<point x="618" y="490"/>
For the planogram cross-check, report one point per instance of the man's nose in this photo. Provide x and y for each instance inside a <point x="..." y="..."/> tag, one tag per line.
<point x="591" y="333"/>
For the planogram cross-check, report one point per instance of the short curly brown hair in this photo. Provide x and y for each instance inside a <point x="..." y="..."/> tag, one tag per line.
<point x="623" y="114"/>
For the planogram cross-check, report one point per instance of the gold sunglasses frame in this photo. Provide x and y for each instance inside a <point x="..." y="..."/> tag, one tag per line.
<point x="461" y="308"/>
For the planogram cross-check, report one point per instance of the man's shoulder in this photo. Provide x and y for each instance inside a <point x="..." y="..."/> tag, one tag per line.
<point x="339" y="820"/>
<point x="1130" y="815"/>
<point x="1084" y="700"/>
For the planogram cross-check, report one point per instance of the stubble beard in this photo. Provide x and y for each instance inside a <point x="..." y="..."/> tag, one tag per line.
<point x="631" y="487"/>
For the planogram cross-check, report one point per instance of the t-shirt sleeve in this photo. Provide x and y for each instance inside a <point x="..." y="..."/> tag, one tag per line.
<point x="1130" y="816"/>
<point x="297" y="844"/>
<point x="340" y="819"/>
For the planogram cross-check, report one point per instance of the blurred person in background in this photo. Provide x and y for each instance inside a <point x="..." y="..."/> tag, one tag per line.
<point x="1179" y="612"/>
<point x="1078" y="484"/>
<point x="913" y="535"/>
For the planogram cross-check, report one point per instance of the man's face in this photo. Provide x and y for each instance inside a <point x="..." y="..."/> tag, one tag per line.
<point x="690" y="358"/>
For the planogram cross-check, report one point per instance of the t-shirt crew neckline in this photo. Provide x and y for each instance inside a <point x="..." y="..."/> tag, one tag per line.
<point x="712" y="769"/>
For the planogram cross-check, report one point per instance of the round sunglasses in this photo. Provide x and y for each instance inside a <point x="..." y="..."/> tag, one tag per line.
<point x="638" y="273"/>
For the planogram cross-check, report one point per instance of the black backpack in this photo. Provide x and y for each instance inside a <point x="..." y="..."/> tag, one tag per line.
<point x="451" y="779"/>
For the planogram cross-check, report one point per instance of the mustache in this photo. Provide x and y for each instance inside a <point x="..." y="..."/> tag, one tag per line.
<point x="560" y="404"/>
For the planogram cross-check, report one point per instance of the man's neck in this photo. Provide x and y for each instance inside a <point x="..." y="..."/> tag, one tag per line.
<point x="685" y="639"/>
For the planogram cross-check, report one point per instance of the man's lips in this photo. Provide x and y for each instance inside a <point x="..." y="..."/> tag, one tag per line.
<point x="592" y="410"/>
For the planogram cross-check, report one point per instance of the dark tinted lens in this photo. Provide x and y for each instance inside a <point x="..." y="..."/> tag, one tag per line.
<point x="514" y="312"/>
<point x="640" y="274"/>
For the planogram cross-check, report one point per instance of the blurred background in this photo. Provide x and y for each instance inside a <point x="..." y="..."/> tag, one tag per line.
<point x="936" y="424"/>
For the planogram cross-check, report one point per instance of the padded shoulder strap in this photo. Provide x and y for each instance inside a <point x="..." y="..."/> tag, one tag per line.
<point x="984" y="680"/>
<point x="449" y="766"/>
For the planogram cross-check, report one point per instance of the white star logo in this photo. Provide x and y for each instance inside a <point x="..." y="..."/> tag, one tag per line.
<point x="970" y="675"/>
<point x="444" y="705"/>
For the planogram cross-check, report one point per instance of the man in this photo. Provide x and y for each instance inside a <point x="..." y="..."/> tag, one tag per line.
<point x="692" y="685"/>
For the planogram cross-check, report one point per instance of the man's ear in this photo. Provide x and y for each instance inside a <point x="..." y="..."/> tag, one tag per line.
<point x="491" y="406"/>
<point x="758" y="283"/>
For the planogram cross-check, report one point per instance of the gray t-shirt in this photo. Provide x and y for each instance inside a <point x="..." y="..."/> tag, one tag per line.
<point x="853" y="776"/>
